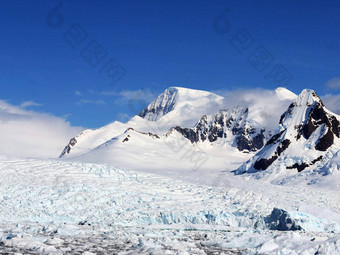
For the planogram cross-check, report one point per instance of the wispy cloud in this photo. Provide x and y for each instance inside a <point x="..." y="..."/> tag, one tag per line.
<point x="147" y="94"/>
<point x="67" y="115"/>
<point x="88" y="101"/>
<point x="123" y="117"/>
<point x="29" y="103"/>
<point x="333" y="83"/>
<point x="332" y="102"/>
<point x="265" y="106"/>
<point x="108" y="93"/>
<point x="25" y="133"/>
<point x="127" y="96"/>
<point x="77" y="93"/>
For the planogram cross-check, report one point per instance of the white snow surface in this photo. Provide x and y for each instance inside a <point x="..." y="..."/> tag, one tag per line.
<point x="265" y="106"/>
<point x="58" y="207"/>
<point x="183" y="103"/>
<point x="333" y="165"/>
<point x="179" y="107"/>
<point x="302" y="150"/>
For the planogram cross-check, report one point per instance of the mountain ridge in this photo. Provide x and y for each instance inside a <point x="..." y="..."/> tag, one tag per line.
<point x="306" y="131"/>
<point x="230" y="137"/>
<point x="224" y="124"/>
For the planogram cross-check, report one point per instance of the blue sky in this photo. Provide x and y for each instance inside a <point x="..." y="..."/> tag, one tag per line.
<point x="48" y="60"/>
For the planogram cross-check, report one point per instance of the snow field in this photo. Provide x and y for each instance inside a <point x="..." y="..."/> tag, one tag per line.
<point x="57" y="207"/>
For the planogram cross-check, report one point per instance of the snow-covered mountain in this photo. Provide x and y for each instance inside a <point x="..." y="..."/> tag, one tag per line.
<point x="174" y="107"/>
<point x="163" y="104"/>
<point x="180" y="126"/>
<point x="307" y="135"/>
<point x="232" y="126"/>
<point x="182" y="106"/>
<point x="333" y="165"/>
<point x="56" y="206"/>
<point x="89" y="139"/>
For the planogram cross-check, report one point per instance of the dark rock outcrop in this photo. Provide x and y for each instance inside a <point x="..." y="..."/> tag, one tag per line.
<point x="304" y="165"/>
<point x="163" y="104"/>
<point x="224" y="123"/>
<point x="305" y="124"/>
<point x="280" y="220"/>
<point x="143" y="133"/>
<point x="68" y="147"/>
<point x="319" y="117"/>
<point x="263" y="164"/>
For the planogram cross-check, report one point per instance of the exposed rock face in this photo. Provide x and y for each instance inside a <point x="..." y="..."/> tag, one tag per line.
<point x="182" y="104"/>
<point x="303" y="165"/>
<point x="68" y="147"/>
<point x="128" y="136"/>
<point x="306" y="131"/>
<point x="280" y="220"/>
<point x="143" y="133"/>
<point x="232" y="125"/>
<point x="319" y="117"/>
<point x="263" y="163"/>
<point x="163" y="104"/>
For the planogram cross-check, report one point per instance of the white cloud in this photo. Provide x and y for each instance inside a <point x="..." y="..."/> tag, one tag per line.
<point x="26" y="133"/>
<point x="29" y="103"/>
<point x="136" y="100"/>
<point x="126" y="96"/>
<point x="265" y="106"/>
<point x="87" y="101"/>
<point x="77" y="93"/>
<point x="66" y="116"/>
<point x="332" y="102"/>
<point x="334" y="83"/>
<point x="123" y="117"/>
<point x="108" y="93"/>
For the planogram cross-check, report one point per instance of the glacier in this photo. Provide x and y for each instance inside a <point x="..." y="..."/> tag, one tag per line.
<point x="60" y="207"/>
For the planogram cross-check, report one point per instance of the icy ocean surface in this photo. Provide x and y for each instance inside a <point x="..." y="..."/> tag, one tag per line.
<point x="58" y="207"/>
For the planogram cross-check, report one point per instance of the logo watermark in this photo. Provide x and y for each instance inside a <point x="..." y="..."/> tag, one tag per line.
<point x="90" y="50"/>
<point x="258" y="56"/>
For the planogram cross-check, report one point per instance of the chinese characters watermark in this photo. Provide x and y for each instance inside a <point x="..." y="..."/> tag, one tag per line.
<point x="259" y="57"/>
<point x="90" y="50"/>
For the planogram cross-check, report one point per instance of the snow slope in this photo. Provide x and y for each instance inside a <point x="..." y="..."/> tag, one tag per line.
<point x="220" y="134"/>
<point x="265" y="106"/>
<point x="56" y="207"/>
<point x="307" y="135"/>
<point x="333" y="165"/>
<point x="233" y="127"/>
<point x="182" y="107"/>
<point x="188" y="105"/>
<point x="149" y="152"/>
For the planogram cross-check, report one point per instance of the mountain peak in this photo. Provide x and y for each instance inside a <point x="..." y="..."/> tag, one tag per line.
<point x="177" y="88"/>
<point x="308" y="97"/>
<point x="163" y="104"/>
<point x="299" y="111"/>
<point x="229" y="126"/>
<point x="183" y="99"/>
<point x="285" y="93"/>
<point x="307" y="130"/>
